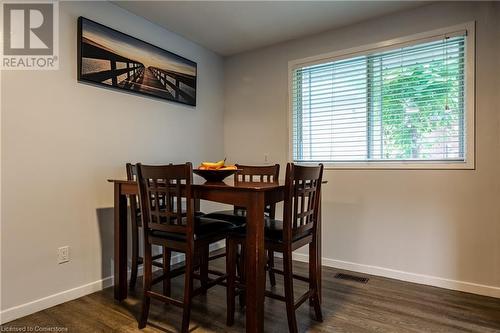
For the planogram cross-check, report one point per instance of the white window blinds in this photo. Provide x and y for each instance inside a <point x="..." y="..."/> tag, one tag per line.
<point x="405" y="104"/>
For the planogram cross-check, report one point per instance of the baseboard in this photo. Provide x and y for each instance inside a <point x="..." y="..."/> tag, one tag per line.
<point x="71" y="294"/>
<point x="435" y="281"/>
<point x="53" y="300"/>
<point x="25" y="309"/>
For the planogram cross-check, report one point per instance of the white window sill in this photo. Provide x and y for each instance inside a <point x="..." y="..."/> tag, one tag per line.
<point x="409" y="165"/>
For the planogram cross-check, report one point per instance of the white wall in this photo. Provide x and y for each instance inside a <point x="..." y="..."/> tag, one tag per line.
<point x="61" y="141"/>
<point x="436" y="227"/>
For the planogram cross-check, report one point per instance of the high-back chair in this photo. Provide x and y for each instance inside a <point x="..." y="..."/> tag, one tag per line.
<point x="168" y="219"/>
<point x="297" y="229"/>
<point x="252" y="174"/>
<point x="136" y="224"/>
<point x="258" y="174"/>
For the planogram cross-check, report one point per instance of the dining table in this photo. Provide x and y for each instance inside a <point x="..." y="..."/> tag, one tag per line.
<point x="253" y="196"/>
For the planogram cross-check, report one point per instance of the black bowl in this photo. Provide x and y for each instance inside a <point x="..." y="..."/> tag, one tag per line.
<point x="214" y="175"/>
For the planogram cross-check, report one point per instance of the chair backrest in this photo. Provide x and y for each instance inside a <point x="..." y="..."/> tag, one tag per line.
<point x="257" y="174"/>
<point x="163" y="193"/>
<point x="134" y="200"/>
<point x="302" y="198"/>
<point x="131" y="171"/>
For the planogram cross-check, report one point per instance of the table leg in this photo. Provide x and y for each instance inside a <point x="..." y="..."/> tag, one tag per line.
<point x="120" y="246"/>
<point x="255" y="259"/>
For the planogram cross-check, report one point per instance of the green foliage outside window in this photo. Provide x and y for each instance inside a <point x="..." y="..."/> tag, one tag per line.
<point x="417" y="101"/>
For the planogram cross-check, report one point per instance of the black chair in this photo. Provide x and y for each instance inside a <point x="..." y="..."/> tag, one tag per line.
<point x="163" y="192"/>
<point x="298" y="228"/>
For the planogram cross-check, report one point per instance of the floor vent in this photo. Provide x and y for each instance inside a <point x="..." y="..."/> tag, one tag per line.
<point x="349" y="277"/>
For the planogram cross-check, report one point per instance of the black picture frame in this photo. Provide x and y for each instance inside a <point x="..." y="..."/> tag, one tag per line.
<point x="106" y="58"/>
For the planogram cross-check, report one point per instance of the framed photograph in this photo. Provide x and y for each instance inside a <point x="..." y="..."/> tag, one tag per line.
<point x="110" y="58"/>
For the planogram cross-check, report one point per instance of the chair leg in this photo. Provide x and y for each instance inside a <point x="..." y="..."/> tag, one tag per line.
<point x="188" y="292"/>
<point x="241" y="297"/>
<point x="147" y="277"/>
<point x="167" y="256"/>
<point x="289" y="296"/>
<point x="313" y="280"/>
<point x="270" y="265"/>
<point x="238" y="262"/>
<point x="204" y="253"/>
<point x="231" y="251"/>
<point x="135" y="254"/>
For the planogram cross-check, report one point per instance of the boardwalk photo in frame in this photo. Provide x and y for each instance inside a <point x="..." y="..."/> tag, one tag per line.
<point x="110" y="58"/>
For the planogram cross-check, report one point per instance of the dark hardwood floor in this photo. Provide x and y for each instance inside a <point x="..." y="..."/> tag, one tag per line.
<point x="381" y="305"/>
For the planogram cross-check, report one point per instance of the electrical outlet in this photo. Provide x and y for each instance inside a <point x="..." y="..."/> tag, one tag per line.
<point x="63" y="254"/>
<point x="266" y="158"/>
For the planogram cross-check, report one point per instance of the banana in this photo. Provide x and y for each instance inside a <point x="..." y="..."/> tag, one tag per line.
<point x="212" y="165"/>
<point x="229" y="167"/>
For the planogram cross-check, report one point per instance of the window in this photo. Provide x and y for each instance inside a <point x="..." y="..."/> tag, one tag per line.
<point x="406" y="105"/>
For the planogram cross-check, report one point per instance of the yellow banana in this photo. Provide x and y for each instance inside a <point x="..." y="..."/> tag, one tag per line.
<point x="229" y="167"/>
<point x="212" y="165"/>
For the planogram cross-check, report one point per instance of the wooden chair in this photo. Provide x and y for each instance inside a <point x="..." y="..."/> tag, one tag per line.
<point x="136" y="223"/>
<point x="163" y="191"/>
<point x="237" y="216"/>
<point x="135" y="219"/>
<point x="298" y="228"/>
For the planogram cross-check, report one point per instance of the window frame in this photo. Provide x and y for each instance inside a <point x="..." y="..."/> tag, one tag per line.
<point x="469" y="97"/>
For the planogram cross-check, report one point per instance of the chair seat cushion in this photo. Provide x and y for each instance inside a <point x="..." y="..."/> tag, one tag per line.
<point x="273" y="231"/>
<point x="203" y="228"/>
<point x="238" y="217"/>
